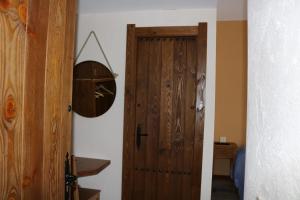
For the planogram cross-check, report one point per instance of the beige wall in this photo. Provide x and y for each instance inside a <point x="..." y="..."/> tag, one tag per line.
<point x="231" y="81"/>
<point x="231" y="86"/>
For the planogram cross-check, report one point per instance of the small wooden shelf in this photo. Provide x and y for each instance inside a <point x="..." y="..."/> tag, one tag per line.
<point x="90" y="166"/>
<point x="89" y="194"/>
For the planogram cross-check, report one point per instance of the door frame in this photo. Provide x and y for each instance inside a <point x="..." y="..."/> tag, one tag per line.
<point x="133" y="33"/>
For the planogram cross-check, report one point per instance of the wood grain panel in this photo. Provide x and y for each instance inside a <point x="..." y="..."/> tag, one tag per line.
<point x="33" y="100"/>
<point x="166" y="111"/>
<point x="70" y="35"/>
<point x="153" y="118"/>
<point x="199" y="126"/>
<point x="129" y="110"/>
<point x="141" y="115"/>
<point x="12" y="68"/>
<point x="31" y="158"/>
<point x="190" y="101"/>
<point x="66" y="81"/>
<point x="178" y="126"/>
<point x="53" y="144"/>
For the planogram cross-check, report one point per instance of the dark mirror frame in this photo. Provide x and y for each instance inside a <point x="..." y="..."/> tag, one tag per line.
<point x="94" y="89"/>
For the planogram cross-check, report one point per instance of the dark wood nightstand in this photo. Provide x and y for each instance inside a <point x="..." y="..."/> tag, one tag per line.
<point x="225" y="151"/>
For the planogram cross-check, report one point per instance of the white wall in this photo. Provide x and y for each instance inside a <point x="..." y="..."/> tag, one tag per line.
<point x="273" y="126"/>
<point x="102" y="137"/>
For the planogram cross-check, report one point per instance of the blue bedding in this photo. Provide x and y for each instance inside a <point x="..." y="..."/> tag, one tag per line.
<point x="239" y="172"/>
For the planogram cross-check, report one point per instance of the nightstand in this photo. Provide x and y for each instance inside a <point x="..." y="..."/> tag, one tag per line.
<point x="225" y="151"/>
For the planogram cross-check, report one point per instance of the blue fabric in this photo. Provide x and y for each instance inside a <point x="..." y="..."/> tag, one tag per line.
<point x="239" y="171"/>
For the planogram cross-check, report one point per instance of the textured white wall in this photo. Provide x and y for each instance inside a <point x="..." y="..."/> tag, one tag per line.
<point x="273" y="126"/>
<point x="102" y="137"/>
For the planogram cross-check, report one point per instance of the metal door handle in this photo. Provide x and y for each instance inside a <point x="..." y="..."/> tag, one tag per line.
<point x="139" y="134"/>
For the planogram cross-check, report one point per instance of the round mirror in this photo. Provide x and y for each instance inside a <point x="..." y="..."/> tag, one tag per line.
<point x="94" y="89"/>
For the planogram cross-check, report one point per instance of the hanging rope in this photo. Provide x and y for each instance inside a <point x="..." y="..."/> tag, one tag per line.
<point x="101" y="49"/>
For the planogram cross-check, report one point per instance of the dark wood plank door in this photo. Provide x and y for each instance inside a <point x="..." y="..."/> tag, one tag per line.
<point x="163" y="133"/>
<point x="36" y="62"/>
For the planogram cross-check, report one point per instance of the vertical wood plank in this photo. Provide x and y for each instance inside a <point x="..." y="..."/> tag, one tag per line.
<point x="3" y="44"/>
<point x="153" y="118"/>
<point x="166" y="111"/>
<point x="53" y="135"/>
<point x="66" y="83"/>
<point x="199" y="126"/>
<point x="33" y="100"/>
<point x="12" y="67"/>
<point x="129" y="115"/>
<point x="190" y="101"/>
<point x="141" y="115"/>
<point x="179" y="115"/>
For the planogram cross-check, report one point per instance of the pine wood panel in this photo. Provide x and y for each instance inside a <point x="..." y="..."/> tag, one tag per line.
<point x="36" y="58"/>
<point x="53" y="147"/>
<point x="12" y="68"/>
<point x="67" y="72"/>
<point x="166" y="88"/>
<point x="33" y="101"/>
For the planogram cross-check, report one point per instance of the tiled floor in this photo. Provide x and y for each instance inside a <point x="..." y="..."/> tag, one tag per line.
<point x="223" y="189"/>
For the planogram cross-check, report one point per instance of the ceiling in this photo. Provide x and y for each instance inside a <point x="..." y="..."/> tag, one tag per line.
<point x="227" y="9"/>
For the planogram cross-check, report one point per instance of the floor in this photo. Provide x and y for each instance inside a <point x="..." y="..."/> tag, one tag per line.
<point x="223" y="189"/>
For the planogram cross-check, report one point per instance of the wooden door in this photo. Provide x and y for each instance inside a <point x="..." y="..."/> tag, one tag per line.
<point x="164" y="113"/>
<point x="36" y="61"/>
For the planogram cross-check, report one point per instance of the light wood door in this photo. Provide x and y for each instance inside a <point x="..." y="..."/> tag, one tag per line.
<point x="36" y="61"/>
<point x="164" y="113"/>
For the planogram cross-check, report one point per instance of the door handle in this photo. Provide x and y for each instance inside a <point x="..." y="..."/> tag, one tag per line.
<point x="139" y="135"/>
